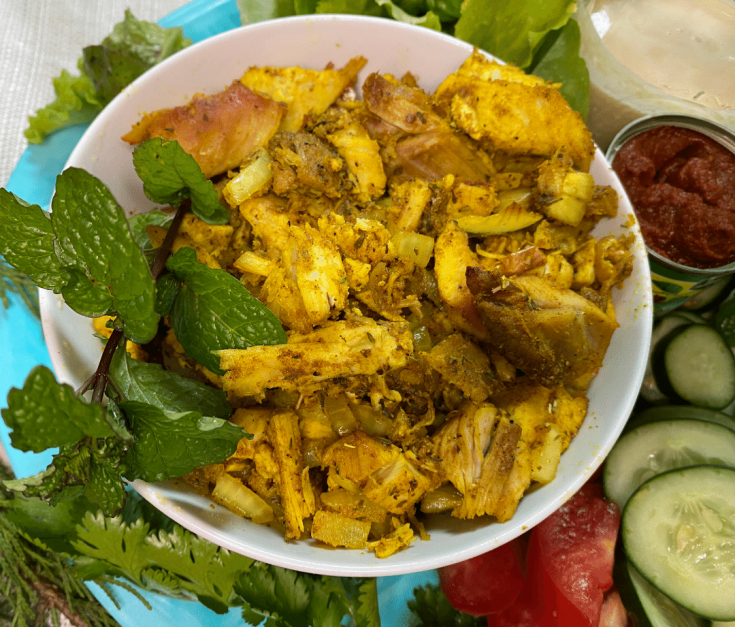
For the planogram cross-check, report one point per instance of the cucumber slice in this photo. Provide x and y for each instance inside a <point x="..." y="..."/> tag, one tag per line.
<point x="688" y="316"/>
<point x="711" y="296"/>
<point x="678" y="531"/>
<point x="695" y="364"/>
<point x="656" y="447"/>
<point x="646" y="605"/>
<point x="661" y="329"/>
<point x="679" y="412"/>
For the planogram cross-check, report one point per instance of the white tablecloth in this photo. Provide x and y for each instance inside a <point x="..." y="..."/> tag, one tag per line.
<point x="39" y="38"/>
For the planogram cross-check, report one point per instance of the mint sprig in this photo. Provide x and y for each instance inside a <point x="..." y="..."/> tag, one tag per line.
<point x="93" y="237"/>
<point x="214" y="311"/>
<point x="170" y="175"/>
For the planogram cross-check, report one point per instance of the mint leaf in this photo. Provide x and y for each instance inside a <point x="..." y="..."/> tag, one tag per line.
<point x="140" y="221"/>
<point x="167" y="289"/>
<point x="27" y="242"/>
<point x="90" y="468"/>
<point x="93" y="238"/>
<point x="214" y="311"/>
<point x="171" y="175"/>
<point x="560" y="62"/>
<point x="512" y="31"/>
<point x="170" y="444"/>
<point x="104" y="485"/>
<point x="46" y="414"/>
<point x="86" y="297"/>
<point x="150" y="383"/>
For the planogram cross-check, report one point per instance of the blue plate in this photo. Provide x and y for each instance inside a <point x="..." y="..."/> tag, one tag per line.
<point x="33" y="180"/>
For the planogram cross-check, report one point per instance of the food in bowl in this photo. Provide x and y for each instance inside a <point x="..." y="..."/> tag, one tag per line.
<point x="431" y="257"/>
<point x="314" y="42"/>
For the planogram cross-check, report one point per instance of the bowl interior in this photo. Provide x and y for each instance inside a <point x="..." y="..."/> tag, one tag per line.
<point x="389" y="47"/>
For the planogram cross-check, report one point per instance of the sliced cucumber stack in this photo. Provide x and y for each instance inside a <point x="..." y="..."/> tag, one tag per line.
<point x="676" y="412"/>
<point x="646" y="605"/>
<point x="661" y="329"/>
<point x="655" y="447"/>
<point x="695" y="364"/>
<point x="678" y="530"/>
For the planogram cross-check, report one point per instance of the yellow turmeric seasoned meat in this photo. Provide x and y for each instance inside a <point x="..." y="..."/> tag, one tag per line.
<point x="431" y="258"/>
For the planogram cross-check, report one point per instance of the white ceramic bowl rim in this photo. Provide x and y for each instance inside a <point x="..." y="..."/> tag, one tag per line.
<point x="392" y="47"/>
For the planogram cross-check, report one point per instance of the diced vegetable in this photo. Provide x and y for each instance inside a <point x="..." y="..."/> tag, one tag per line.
<point x="513" y="218"/>
<point x="417" y="247"/>
<point x="254" y="175"/>
<point x="337" y="530"/>
<point x="241" y="500"/>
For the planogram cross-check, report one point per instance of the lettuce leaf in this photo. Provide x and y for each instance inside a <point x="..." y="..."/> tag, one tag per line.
<point x="133" y="47"/>
<point x="512" y="31"/>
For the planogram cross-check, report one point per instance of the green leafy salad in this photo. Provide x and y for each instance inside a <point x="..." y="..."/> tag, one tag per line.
<point x="135" y="420"/>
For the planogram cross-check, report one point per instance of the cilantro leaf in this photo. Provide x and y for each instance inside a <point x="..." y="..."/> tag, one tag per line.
<point x="94" y="239"/>
<point x="560" y="61"/>
<point x="184" y="563"/>
<point x="511" y="31"/>
<point x="27" y="242"/>
<point x="171" y="175"/>
<point x="170" y="444"/>
<point x="150" y="383"/>
<point x="432" y="608"/>
<point x="214" y="311"/>
<point x="46" y="414"/>
<point x="276" y="592"/>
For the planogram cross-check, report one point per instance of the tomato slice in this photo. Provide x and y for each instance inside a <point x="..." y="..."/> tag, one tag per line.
<point x="484" y="584"/>
<point x="572" y="551"/>
<point x="570" y="561"/>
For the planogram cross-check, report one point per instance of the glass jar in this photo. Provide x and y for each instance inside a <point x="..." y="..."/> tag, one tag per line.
<point x="648" y="57"/>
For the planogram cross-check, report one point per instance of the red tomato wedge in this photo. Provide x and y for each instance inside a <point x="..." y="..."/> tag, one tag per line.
<point x="487" y="583"/>
<point x="570" y="562"/>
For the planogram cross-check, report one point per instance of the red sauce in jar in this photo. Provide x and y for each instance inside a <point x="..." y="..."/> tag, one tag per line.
<point x="682" y="187"/>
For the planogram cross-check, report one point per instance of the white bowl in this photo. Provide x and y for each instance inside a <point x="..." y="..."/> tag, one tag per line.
<point x="389" y="47"/>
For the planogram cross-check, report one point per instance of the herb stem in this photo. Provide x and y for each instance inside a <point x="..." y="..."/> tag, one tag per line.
<point x="159" y="262"/>
<point x="99" y="380"/>
<point x="103" y="368"/>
